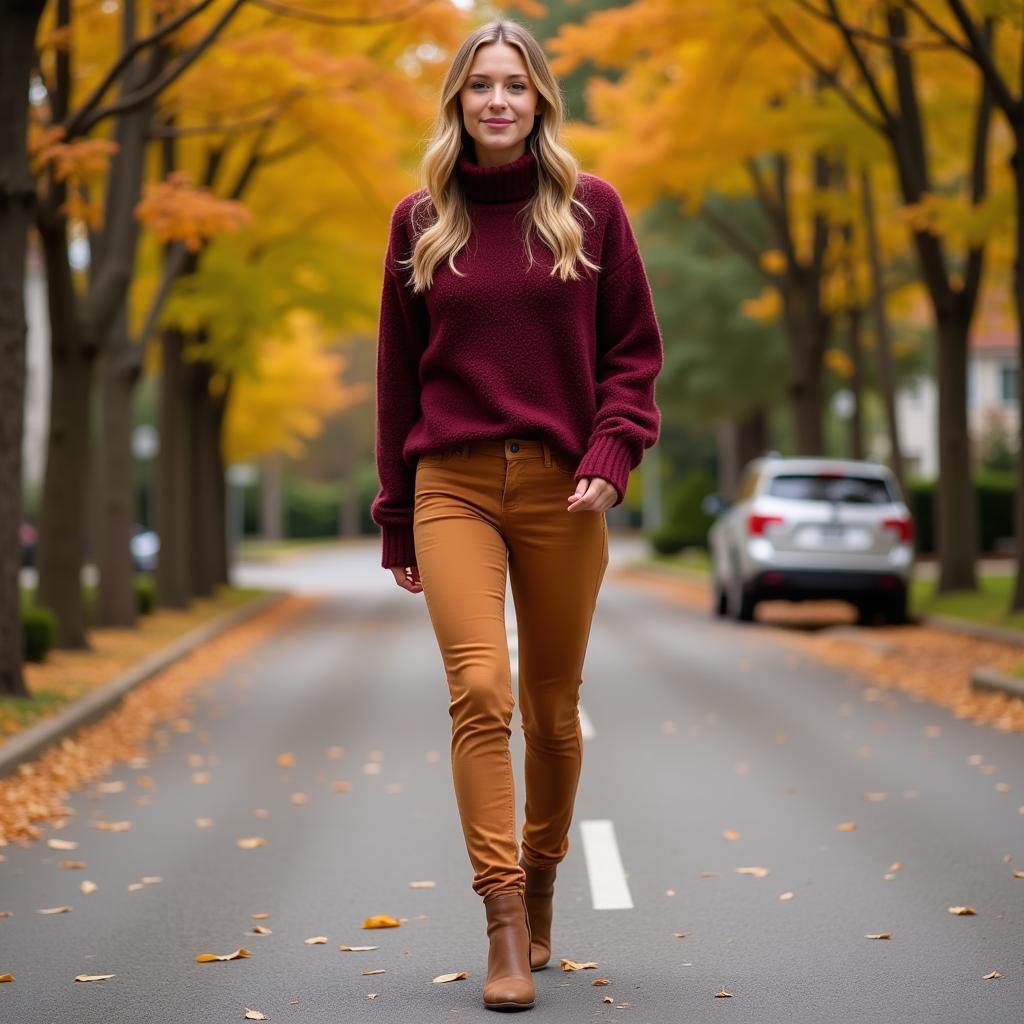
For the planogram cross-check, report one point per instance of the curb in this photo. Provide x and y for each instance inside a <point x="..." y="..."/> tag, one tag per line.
<point x="31" y="742"/>
<point x="992" y="679"/>
<point x="979" y="630"/>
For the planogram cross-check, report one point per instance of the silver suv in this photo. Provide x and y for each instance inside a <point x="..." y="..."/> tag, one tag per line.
<point x="808" y="528"/>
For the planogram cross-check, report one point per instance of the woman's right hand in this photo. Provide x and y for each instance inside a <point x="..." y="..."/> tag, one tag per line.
<point x="408" y="578"/>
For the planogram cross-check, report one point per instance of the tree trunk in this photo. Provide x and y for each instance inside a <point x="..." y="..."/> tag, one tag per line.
<point x="219" y="514"/>
<point x="807" y="329"/>
<point x="738" y="442"/>
<point x="18" y="22"/>
<point x="855" y="440"/>
<point x="883" y="349"/>
<point x="207" y="517"/>
<point x="350" y="514"/>
<point x="271" y="501"/>
<point x="60" y="552"/>
<point x="956" y="527"/>
<point x="174" y="491"/>
<point x="1017" y="601"/>
<point x="119" y="371"/>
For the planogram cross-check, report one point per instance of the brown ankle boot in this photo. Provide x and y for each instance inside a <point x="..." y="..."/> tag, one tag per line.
<point x="509" y="985"/>
<point x="540" y="890"/>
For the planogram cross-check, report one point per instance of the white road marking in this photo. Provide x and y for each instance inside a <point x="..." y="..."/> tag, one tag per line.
<point x="608" y="887"/>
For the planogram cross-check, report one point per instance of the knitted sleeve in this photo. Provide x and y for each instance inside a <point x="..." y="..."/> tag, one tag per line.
<point x="402" y="336"/>
<point x="630" y="355"/>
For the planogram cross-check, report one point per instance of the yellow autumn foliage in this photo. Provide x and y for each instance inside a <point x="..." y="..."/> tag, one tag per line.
<point x="297" y="382"/>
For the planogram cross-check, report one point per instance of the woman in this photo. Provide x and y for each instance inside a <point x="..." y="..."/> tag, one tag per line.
<point x="518" y="351"/>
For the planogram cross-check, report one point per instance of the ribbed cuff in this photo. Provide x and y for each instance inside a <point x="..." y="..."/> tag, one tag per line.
<point x="610" y="459"/>
<point x="399" y="548"/>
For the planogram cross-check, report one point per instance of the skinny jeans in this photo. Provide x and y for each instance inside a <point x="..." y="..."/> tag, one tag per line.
<point x="483" y="509"/>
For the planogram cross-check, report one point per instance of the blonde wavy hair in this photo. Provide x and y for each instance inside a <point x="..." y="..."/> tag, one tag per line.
<point x="548" y="215"/>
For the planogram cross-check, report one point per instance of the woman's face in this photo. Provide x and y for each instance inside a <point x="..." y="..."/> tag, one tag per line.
<point x="498" y="88"/>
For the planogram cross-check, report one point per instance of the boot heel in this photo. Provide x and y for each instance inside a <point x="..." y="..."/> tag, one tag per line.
<point x="509" y="984"/>
<point x="539" y="896"/>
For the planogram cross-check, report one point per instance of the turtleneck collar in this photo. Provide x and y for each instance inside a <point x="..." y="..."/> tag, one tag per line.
<point x="506" y="183"/>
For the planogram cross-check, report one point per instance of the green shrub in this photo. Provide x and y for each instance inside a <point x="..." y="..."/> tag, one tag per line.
<point x="145" y="594"/>
<point x="686" y="524"/>
<point x="994" y="504"/>
<point x="40" y="631"/>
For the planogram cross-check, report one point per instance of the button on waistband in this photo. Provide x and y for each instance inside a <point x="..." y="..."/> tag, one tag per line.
<point x="514" y="446"/>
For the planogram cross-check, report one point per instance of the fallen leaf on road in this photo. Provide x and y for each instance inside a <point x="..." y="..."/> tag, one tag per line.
<point x="251" y="843"/>
<point x="961" y="910"/>
<point x="255" y="1015"/>
<point x="680" y="935"/>
<point x="422" y="885"/>
<point x="729" y="833"/>
<point x="846" y="826"/>
<point x="300" y="798"/>
<point x="261" y="916"/>
<point x="205" y="958"/>
<point x="572" y="965"/>
<point x="1017" y="874"/>
<point x="286" y="760"/>
<point x="204" y="822"/>
<point x="375" y="970"/>
<point x="200" y="777"/>
<point x="985" y="977"/>
<point x="607" y="999"/>
<point x="258" y="929"/>
<point x="457" y="976"/>
<point x="723" y="995"/>
<point x="54" y="910"/>
<point x="6" y="977"/>
<point x="62" y="844"/>
<point x="372" y="995"/>
<point x="600" y="981"/>
<point x="356" y="949"/>
<point x="88" y="886"/>
<point x="381" y="921"/>
<point x="93" y="977"/>
<point x="72" y="864"/>
<point x="785" y="895"/>
<point x="316" y="940"/>
<point x="755" y="871"/>
<point x="879" y="935"/>
<point x="110" y="787"/>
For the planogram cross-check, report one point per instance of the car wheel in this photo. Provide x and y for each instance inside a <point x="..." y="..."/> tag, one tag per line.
<point x="719" y="602"/>
<point x="896" y="609"/>
<point x="867" y="611"/>
<point x="741" y="602"/>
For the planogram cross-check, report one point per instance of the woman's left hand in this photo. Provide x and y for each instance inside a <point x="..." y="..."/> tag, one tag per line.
<point x="594" y="493"/>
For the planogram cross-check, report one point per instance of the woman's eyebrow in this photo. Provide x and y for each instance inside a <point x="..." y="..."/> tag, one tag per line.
<point x="478" y="74"/>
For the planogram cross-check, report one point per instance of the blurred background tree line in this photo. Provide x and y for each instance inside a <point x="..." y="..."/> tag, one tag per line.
<point x="827" y="195"/>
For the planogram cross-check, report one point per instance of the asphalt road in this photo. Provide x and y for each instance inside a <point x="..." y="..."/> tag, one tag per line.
<point x="693" y="727"/>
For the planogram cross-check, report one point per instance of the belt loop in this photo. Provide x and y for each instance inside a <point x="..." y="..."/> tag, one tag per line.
<point x="465" y="450"/>
<point x="547" y="453"/>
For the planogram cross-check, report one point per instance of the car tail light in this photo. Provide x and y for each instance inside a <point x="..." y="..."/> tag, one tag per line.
<point x="756" y="523"/>
<point x="903" y="527"/>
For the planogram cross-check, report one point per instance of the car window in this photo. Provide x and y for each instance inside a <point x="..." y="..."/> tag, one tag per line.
<point x="854" y="490"/>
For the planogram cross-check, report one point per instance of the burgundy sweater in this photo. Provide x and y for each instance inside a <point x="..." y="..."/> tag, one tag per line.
<point x="507" y="351"/>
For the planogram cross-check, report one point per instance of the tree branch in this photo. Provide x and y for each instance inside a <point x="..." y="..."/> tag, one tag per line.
<point x="829" y="76"/>
<point x="73" y="125"/>
<point x="161" y="81"/>
<point x="936" y="27"/>
<point x="981" y="53"/>
<point x="736" y="240"/>
<point x="868" y="35"/>
<point x="862" y="65"/>
<point x="339" y="20"/>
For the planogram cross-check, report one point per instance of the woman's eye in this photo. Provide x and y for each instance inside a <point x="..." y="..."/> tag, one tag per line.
<point x="514" y="85"/>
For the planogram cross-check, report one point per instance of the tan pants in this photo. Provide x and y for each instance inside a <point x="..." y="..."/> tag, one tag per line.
<point x="481" y="509"/>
